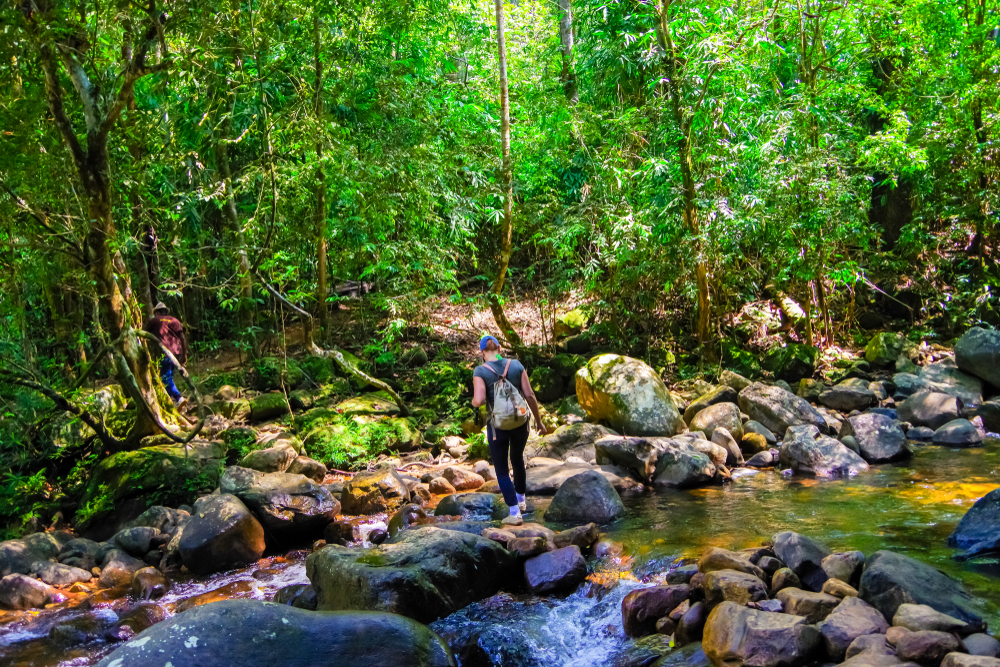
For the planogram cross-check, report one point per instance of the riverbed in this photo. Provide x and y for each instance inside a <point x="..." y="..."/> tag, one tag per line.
<point x="910" y="507"/>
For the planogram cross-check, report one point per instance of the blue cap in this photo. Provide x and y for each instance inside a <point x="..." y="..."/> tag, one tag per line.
<point x="482" y="342"/>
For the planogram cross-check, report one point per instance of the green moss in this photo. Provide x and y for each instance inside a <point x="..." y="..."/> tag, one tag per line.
<point x="270" y="373"/>
<point x="241" y="440"/>
<point x="353" y="443"/>
<point x="478" y="449"/>
<point x="320" y="370"/>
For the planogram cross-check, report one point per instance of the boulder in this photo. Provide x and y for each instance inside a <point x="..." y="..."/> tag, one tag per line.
<point x="810" y="389"/>
<point x="582" y="536"/>
<point x="374" y="492"/>
<point x="839" y="589"/>
<point x="628" y="395"/>
<point x="804" y="556"/>
<point x="752" y="444"/>
<point x="979" y="530"/>
<point x="440" y="486"/>
<point x="571" y="440"/>
<point x="851" y="619"/>
<point x="845" y="566"/>
<point x="135" y="541"/>
<point x="149" y="583"/>
<point x="638" y="455"/>
<point x="982" y="644"/>
<point x="931" y="409"/>
<point x="944" y="376"/>
<point x="268" y="406"/>
<point x="547" y="384"/>
<point x="681" y="466"/>
<point x="559" y="570"/>
<point x="587" y="497"/>
<point x="734" y="380"/>
<point x="871" y="644"/>
<point x="643" y="607"/>
<point x="733" y="586"/>
<point x="963" y="660"/>
<point x="475" y="506"/>
<point x="762" y="460"/>
<point x="784" y="578"/>
<point x="917" y="617"/>
<point x="281" y="501"/>
<point x="879" y="438"/>
<point x="719" y="415"/>
<point x="19" y="591"/>
<point x="958" y="433"/>
<point x="57" y="574"/>
<point x="265" y="634"/>
<point x="311" y="468"/>
<point x="118" y="569"/>
<point x="927" y="647"/>
<point x="17" y="556"/>
<point x="163" y="519"/>
<point x="851" y="394"/>
<point x="804" y="450"/>
<point x="723" y="438"/>
<point x="752" y="426"/>
<point x="777" y="409"/>
<point x="716" y="559"/>
<point x="890" y="579"/>
<point x="978" y="353"/>
<point x="989" y="412"/>
<point x="813" y="606"/>
<point x="722" y="394"/>
<point x="424" y="574"/>
<point x="221" y="534"/>
<point x="81" y="552"/>
<point x="792" y="362"/>
<point x="462" y="479"/>
<point x="736" y="635"/>
<point x="884" y="349"/>
<point x="546" y="480"/>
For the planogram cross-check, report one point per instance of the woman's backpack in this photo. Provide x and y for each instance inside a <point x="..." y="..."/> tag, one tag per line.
<point x="510" y="410"/>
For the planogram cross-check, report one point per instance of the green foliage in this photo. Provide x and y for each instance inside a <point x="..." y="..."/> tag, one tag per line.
<point x="444" y="387"/>
<point x="22" y="498"/>
<point x="351" y="444"/>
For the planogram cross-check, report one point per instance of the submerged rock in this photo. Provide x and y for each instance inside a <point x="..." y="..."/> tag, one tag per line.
<point x="425" y="574"/>
<point x="628" y="395"/>
<point x="265" y="634"/>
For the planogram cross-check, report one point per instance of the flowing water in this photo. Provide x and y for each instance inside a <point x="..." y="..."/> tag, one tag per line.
<point x="910" y="507"/>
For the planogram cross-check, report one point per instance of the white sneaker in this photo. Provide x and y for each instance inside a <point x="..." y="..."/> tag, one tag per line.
<point x="513" y="520"/>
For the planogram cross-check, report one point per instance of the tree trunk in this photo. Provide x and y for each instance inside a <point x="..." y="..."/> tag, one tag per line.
<point x="566" y="47"/>
<point x="506" y="180"/>
<point x="320" y="223"/>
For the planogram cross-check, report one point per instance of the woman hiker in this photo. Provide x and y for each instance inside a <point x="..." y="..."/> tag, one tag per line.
<point x="504" y="442"/>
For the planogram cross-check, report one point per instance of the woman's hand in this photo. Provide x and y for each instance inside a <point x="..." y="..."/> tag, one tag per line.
<point x="541" y="428"/>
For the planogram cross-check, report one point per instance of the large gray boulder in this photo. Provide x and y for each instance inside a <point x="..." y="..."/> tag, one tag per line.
<point x="681" y="466"/>
<point x="989" y="412"/>
<point x="283" y="502"/>
<point x="851" y="619"/>
<point x="737" y="635"/>
<point x="803" y="556"/>
<point x="979" y="530"/>
<point x="880" y="438"/>
<point x="571" y="440"/>
<point x="19" y="591"/>
<point x="17" y="556"/>
<point x="222" y="534"/>
<point x="265" y="634"/>
<point x="777" y="409"/>
<point x="627" y="395"/>
<point x="957" y="433"/>
<point x="374" y="492"/>
<point x="851" y="394"/>
<point x="638" y="455"/>
<point x="473" y="506"/>
<point x="424" y="574"/>
<point x="978" y="353"/>
<point x="891" y="579"/>
<point x="545" y="480"/>
<point x="804" y="450"/>
<point x="946" y="377"/>
<point x="716" y="416"/>
<point x="584" y="498"/>
<point x="930" y="408"/>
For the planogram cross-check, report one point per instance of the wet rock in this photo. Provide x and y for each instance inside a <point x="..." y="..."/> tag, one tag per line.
<point x="978" y="353"/>
<point x="57" y="574"/>
<point x="404" y="517"/>
<point x="463" y="480"/>
<point x="927" y="647"/>
<point x="311" y="468"/>
<point x="149" y="584"/>
<point x="642" y="608"/>
<point x="560" y="570"/>
<point x="425" y="574"/>
<point x="920" y="434"/>
<point x="479" y="506"/>
<point x="736" y="635"/>
<point x="979" y="530"/>
<point x="581" y="536"/>
<point x="526" y="547"/>
<point x="839" y="589"/>
<point x="813" y="606"/>
<point x="222" y="534"/>
<point x="628" y="395"/>
<point x="301" y="596"/>
<point x="917" y="617"/>
<point x="587" y="497"/>
<point x="682" y="466"/>
<point x="378" y="536"/>
<point x="879" y="438"/>
<point x="441" y="486"/>
<point x="118" y="569"/>
<point x="963" y="660"/>
<point x="283" y="502"/>
<point x="682" y="574"/>
<point x="851" y="394"/>
<point x="982" y="644"/>
<point x="958" y="433"/>
<point x="777" y="409"/>
<point x="272" y="459"/>
<point x="785" y="578"/>
<point x="638" y="455"/>
<point x="135" y="541"/>
<point x="716" y="559"/>
<point x="852" y="618"/>
<point x="892" y="579"/>
<point x="845" y="566"/>
<point x="19" y="591"/>
<point x="208" y="636"/>
<point x="930" y="409"/>
<point x="732" y="586"/>
<point x="488" y="645"/>
<point x="719" y="415"/>
<point x="691" y="624"/>
<point x="804" y="556"/>
<point x="761" y="460"/>
<point x="374" y="492"/>
<point x="717" y="454"/>
<point x="804" y="450"/>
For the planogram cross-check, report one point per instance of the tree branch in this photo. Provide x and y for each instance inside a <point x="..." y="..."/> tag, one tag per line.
<point x="54" y="93"/>
<point x="82" y="84"/>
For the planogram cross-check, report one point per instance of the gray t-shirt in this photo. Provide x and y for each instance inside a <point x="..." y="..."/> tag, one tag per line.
<point x="491" y="371"/>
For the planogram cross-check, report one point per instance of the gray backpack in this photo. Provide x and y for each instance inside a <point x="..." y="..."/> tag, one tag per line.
<point x="510" y="410"/>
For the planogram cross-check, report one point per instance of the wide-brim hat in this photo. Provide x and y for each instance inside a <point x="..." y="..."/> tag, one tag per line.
<point x="160" y="306"/>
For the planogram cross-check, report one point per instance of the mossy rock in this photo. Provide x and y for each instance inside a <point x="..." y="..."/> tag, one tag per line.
<point x="548" y="384"/>
<point x="302" y="399"/>
<point x="241" y="440"/>
<point x="738" y="360"/>
<point x="567" y="364"/>
<point x="438" y="431"/>
<point x="628" y="396"/>
<point x="375" y="403"/>
<point x="570" y="323"/>
<point x="885" y="348"/>
<point x="321" y="370"/>
<point x="792" y="362"/>
<point x="414" y="357"/>
<point x="570" y="405"/>
<point x="317" y="417"/>
<point x="424" y="416"/>
<point x="163" y="475"/>
<point x="238" y="410"/>
<point x="478" y="449"/>
<point x="267" y="407"/>
<point x="270" y="372"/>
<point x="406" y="436"/>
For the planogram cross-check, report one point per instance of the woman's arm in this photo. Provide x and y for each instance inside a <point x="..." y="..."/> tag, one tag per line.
<point x="529" y="396"/>
<point x="478" y="392"/>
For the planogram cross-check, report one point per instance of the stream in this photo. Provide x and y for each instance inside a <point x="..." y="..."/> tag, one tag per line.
<point x="910" y="507"/>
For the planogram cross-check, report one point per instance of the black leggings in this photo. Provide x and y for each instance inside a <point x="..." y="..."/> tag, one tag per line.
<point x="501" y="443"/>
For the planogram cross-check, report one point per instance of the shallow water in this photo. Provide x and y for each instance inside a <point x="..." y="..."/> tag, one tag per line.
<point x="910" y="507"/>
